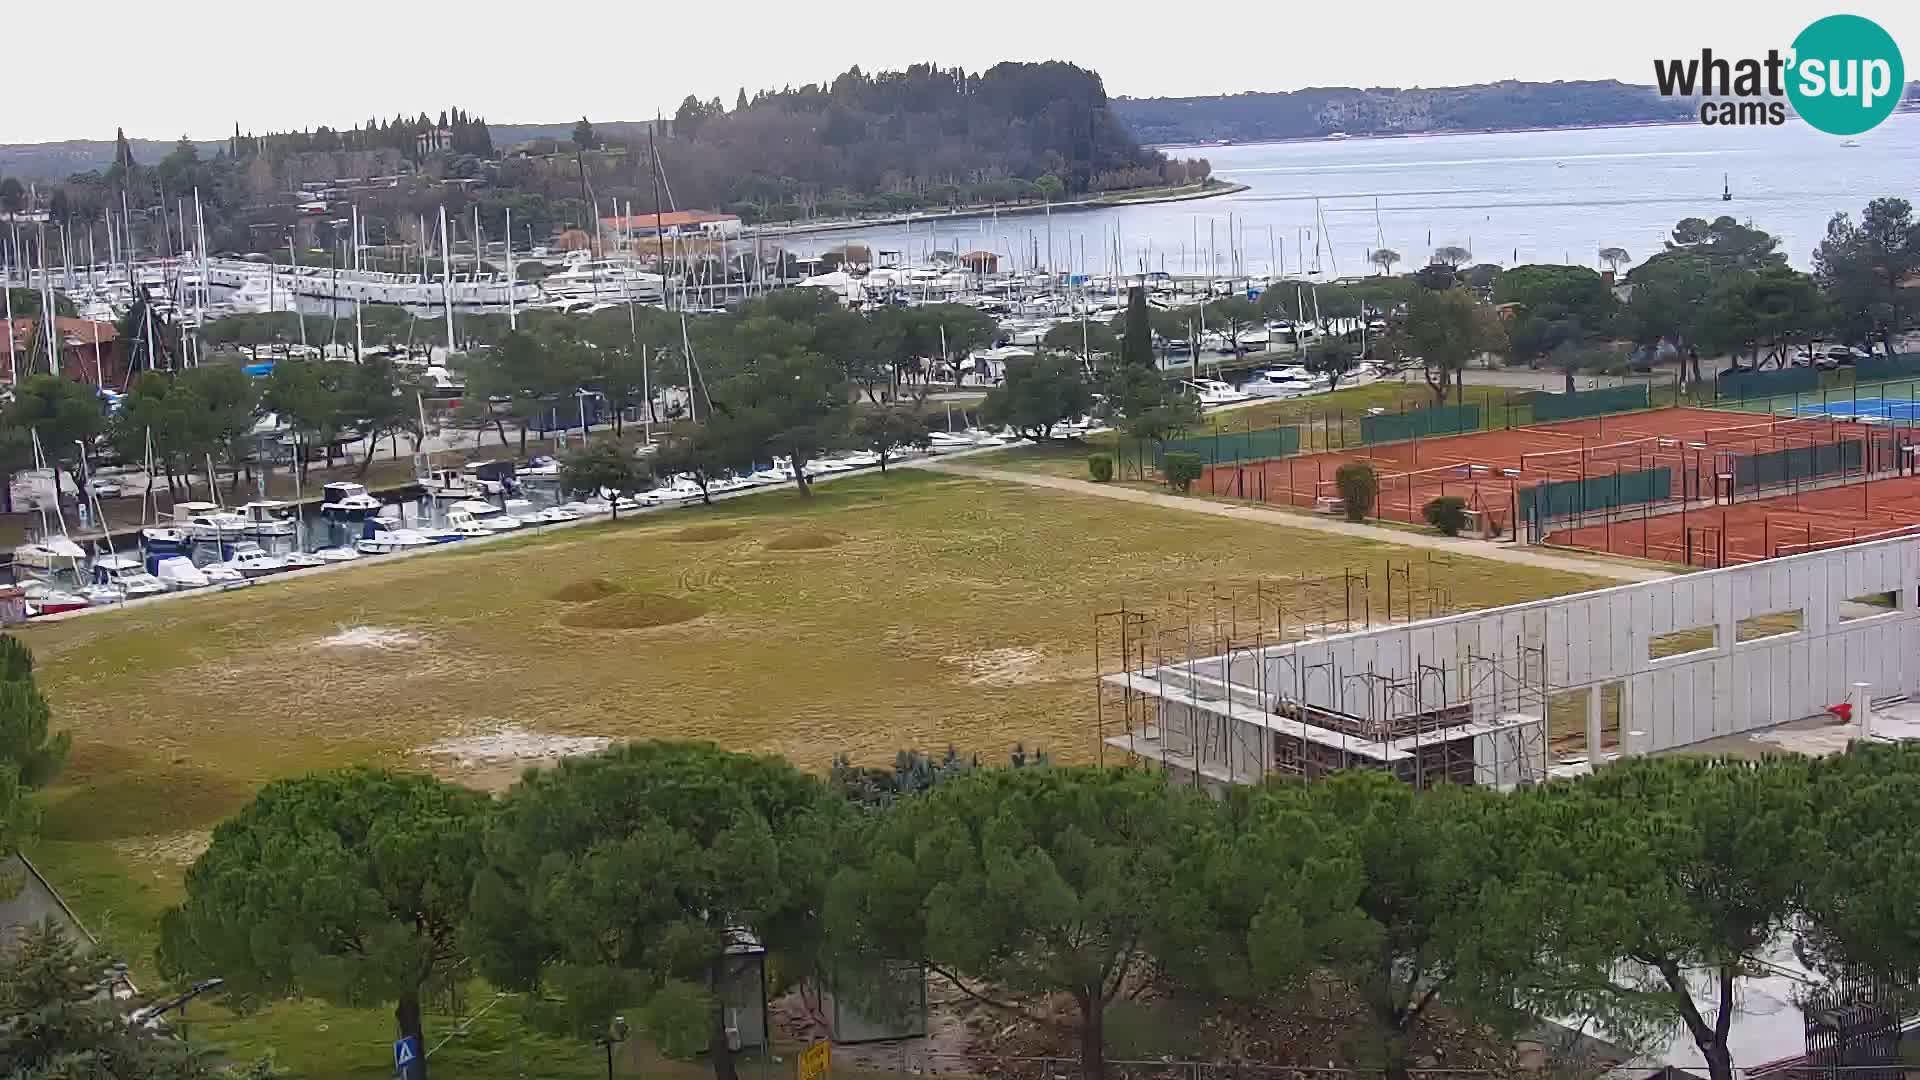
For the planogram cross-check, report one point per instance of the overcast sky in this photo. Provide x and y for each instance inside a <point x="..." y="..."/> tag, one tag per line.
<point x="165" y="70"/>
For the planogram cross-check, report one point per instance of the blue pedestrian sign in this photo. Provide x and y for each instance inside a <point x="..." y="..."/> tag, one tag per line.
<point x="406" y="1055"/>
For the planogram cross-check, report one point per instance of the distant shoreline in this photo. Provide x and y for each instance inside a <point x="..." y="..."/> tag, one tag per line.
<point x="1376" y="136"/>
<point x="1099" y="202"/>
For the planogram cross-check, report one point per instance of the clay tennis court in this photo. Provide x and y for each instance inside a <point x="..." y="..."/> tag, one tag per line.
<point x="1489" y="468"/>
<point x="1809" y="520"/>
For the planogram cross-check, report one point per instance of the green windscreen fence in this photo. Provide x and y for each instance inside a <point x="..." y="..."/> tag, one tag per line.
<point x="1227" y="447"/>
<point x="1420" y="423"/>
<point x="1757" y="384"/>
<point x="1565" y="498"/>
<point x="1883" y="368"/>
<point x="1611" y="399"/>
<point x="1796" y="463"/>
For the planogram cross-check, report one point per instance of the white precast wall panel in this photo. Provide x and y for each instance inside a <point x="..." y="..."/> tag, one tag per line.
<point x="1590" y="639"/>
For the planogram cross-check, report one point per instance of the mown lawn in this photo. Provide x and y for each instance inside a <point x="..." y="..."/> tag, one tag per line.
<point x="907" y="611"/>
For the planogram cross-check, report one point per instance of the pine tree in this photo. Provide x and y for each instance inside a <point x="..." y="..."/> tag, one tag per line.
<point x="740" y="103"/>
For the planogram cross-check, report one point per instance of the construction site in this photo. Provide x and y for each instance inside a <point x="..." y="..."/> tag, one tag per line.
<point x="1241" y="686"/>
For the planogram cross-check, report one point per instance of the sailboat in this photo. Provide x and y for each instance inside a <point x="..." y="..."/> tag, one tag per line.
<point x="52" y="565"/>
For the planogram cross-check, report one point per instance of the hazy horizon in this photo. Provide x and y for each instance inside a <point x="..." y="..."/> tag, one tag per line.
<point x="212" y="69"/>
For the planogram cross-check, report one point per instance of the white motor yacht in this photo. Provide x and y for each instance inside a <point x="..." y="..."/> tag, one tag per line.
<point x="206" y="521"/>
<point x="383" y="543"/>
<point x="336" y="554"/>
<point x="268" y="517"/>
<point x="178" y="574"/>
<point x="449" y="484"/>
<point x="1286" y="382"/>
<point x="252" y="561"/>
<point x="348" y="501"/>
<point x="1214" y="393"/>
<point x="468" y="524"/>
<point x="127" y="575"/>
<point x="554" y="515"/>
<point x="302" y="560"/>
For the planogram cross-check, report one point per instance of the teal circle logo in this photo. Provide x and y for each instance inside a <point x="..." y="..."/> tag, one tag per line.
<point x="1846" y="74"/>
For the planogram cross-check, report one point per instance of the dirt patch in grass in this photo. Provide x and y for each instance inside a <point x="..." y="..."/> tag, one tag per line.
<point x="804" y="540"/>
<point x="587" y="591"/>
<point x="368" y="637"/>
<point x="139" y="801"/>
<point x="705" y="534"/>
<point x="633" y="611"/>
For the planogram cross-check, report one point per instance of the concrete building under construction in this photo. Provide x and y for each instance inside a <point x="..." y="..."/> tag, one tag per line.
<point x="1226" y="690"/>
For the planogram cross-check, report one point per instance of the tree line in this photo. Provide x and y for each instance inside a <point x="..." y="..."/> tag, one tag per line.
<point x="613" y="885"/>
<point x="1719" y="287"/>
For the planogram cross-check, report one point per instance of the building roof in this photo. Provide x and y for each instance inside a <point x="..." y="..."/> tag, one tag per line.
<point x="72" y="332"/>
<point x="670" y="219"/>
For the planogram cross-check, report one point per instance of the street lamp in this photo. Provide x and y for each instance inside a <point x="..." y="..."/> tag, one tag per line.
<point x="617" y="1033"/>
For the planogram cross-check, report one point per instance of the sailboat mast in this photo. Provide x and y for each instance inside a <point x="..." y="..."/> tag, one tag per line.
<point x="446" y="278"/>
<point x="512" y="275"/>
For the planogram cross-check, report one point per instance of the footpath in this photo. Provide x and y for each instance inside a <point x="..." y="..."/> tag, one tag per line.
<point x="1467" y="548"/>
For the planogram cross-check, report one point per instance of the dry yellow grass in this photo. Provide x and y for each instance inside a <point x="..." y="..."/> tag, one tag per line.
<point x="867" y="647"/>
<point x="586" y="590"/>
<point x="803" y="540"/>
<point x="632" y="611"/>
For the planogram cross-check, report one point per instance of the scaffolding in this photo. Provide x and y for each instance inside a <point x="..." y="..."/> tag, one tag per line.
<point x="1208" y="686"/>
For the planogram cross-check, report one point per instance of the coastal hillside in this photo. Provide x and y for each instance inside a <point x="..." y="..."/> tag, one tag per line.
<point x="1320" y="111"/>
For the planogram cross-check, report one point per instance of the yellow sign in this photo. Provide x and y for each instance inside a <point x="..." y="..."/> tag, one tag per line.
<point x="815" y="1060"/>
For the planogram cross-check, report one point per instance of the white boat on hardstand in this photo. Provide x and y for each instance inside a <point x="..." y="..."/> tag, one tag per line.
<point x="1214" y="393"/>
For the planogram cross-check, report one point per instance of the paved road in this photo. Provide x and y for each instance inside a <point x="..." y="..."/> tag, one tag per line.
<point x="1478" y="549"/>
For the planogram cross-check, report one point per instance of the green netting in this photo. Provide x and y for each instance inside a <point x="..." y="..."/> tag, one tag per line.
<point x="1226" y="447"/>
<point x="1796" y="463"/>
<point x="1420" y="423"/>
<point x="1882" y="368"/>
<point x="1755" y="384"/>
<point x="1564" y="498"/>
<point x="1611" y="399"/>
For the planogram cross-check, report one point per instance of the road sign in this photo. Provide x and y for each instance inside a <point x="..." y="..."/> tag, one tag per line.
<point x="815" y="1060"/>
<point x="406" y="1055"/>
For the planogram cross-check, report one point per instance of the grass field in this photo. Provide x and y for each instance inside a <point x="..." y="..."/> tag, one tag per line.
<point x="911" y="610"/>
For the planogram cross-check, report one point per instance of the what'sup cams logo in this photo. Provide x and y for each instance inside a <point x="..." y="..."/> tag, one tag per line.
<point x="1843" y="75"/>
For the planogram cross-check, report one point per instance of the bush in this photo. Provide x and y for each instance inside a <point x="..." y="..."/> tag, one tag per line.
<point x="1448" y="513"/>
<point x="1181" y="469"/>
<point x="1359" y="486"/>
<point x="1100" y="467"/>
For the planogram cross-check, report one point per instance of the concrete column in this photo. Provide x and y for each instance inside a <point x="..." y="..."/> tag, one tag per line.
<point x="1594" y="755"/>
<point x="1861" y="698"/>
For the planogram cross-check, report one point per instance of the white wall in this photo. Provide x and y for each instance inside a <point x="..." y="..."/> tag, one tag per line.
<point x="1605" y="636"/>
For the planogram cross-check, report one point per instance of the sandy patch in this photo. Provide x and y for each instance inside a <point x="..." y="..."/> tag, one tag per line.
<point x="176" y="849"/>
<point x="368" y="637"/>
<point x="1008" y="667"/>
<point x="508" y="743"/>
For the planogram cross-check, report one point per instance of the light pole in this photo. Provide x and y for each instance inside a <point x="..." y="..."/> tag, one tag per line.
<point x="617" y="1033"/>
